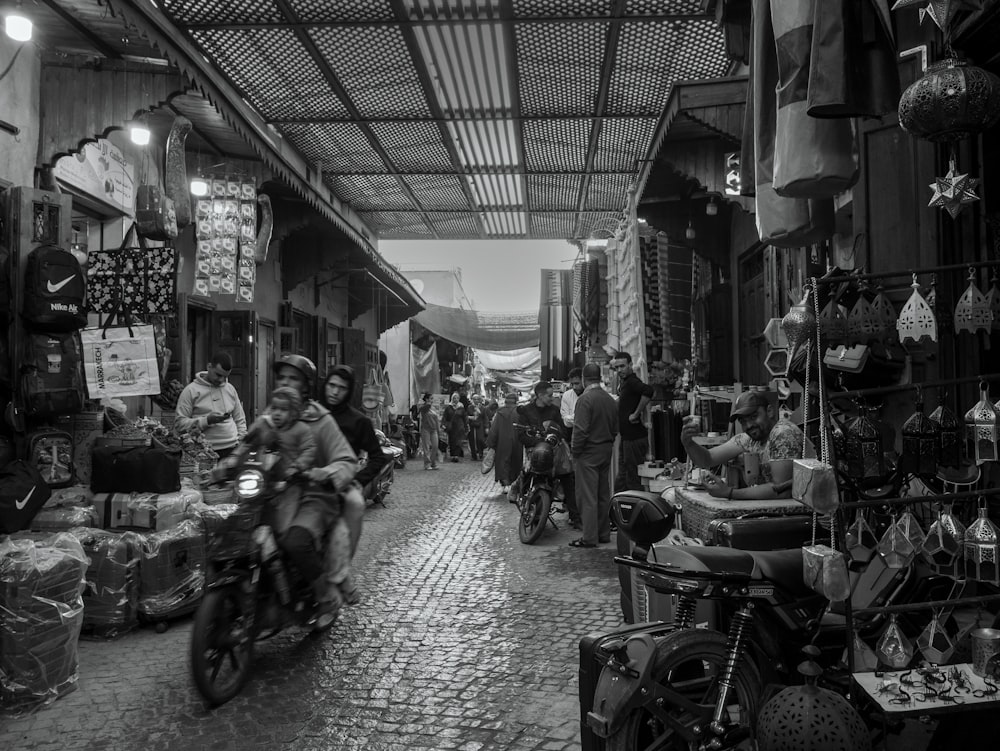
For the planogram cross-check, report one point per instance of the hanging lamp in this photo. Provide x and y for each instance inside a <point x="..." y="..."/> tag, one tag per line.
<point x="943" y="547"/>
<point x="921" y="442"/>
<point x="982" y="548"/>
<point x="949" y="436"/>
<point x="916" y="319"/>
<point x="863" y="444"/>
<point x="993" y="300"/>
<point x="863" y="324"/>
<point x="833" y="323"/>
<point x="973" y="310"/>
<point x="983" y="428"/>
<point x="885" y="314"/>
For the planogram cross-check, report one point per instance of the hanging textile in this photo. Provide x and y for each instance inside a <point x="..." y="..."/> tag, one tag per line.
<point x="426" y="372"/>
<point x="515" y="359"/>
<point x="489" y="331"/>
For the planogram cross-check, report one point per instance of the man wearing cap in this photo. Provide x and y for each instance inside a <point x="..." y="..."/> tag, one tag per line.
<point x="776" y="442"/>
<point x="594" y="432"/>
<point x="633" y="396"/>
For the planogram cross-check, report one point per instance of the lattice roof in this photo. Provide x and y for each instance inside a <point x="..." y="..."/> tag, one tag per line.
<point x="463" y="118"/>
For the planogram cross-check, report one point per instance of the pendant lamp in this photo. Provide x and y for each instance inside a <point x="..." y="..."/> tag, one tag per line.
<point x="799" y="322"/>
<point x="949" y="436"/>
<point x="862" y="323"/>
<point x="982" y="545"/>
<point x="993" y="300"/>
<point x="833" y="323"/>
<point x="865" y="456"/>
<point x="943" y="548"/>
<point x="885" y="314"/>
<point x="916" y="319"/>
<point x="983" y="428"/>
<point x="921" y="443"/>
<point x="973" y="310"/>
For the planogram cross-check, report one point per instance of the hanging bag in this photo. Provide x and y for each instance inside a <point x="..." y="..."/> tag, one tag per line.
<point x="140" y="278"/>
<point x="120" y="360"/>
<point x="55" y="291"/>
<point x="51" y="375"/>
<point x="23" y="492"/>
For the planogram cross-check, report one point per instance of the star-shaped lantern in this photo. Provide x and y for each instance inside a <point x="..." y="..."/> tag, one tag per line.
<point x="941" y="12"/>
<point x="954" y="190"/>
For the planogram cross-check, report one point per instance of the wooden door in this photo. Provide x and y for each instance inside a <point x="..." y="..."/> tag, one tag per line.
<point x="264" y="356"/>
<point x="232" y="332"/>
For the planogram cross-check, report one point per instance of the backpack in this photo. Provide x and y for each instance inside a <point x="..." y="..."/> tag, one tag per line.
<point x="22" y="495"/>
<point x="50" y="452"/>
<point x="52" y="375"/>
<point x="55" y="290"/>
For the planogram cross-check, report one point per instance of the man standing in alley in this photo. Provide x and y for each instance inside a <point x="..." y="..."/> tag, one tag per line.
<point x="594" y="431"/>
<point x="567" y="404"/>
<point x="633" y="396"/>
<point x="211" y="404"/>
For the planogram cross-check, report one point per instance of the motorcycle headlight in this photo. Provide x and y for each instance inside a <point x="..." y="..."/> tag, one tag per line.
<point x="249" y="483"/>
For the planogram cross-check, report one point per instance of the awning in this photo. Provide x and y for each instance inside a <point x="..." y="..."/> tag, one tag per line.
<point x="487" y="331"/>
<point x="515" y="359"/>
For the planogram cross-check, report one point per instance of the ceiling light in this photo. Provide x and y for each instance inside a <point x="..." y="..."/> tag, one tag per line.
<point x="18" y="26"/>
<point x="711" y="208"/>
<point x="689" y="233"/>
<point x="199" y="186"/>
<point x="138" y="132"/>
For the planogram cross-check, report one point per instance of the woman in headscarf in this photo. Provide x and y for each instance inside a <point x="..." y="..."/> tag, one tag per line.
<point x="456" y="422"/>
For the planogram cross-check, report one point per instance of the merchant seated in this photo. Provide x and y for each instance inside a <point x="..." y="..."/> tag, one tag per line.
<point x="772" y="442"/>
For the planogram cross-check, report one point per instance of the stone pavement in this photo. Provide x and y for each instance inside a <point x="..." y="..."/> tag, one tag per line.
<point x="465" y="639"/>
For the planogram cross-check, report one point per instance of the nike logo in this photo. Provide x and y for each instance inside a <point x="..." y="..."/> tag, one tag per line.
<point x="59" y="285"/>
<point x="22" y="503"/>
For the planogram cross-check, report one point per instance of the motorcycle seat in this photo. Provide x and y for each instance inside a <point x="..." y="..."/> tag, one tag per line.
<point x="784" y="567"/>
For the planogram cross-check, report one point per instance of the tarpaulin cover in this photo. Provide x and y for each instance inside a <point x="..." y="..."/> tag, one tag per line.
<point x="489" y="331"/>
<point x="515" y="359"/>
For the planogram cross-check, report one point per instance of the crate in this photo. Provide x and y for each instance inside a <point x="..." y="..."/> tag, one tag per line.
<point x="699" y="509"/>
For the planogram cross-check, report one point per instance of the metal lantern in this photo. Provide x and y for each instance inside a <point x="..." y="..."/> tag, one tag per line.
<point x="818" y="719"/>
<point x="951" y="101"/>
<point x="896" y="548"/>
<point x="860" y="540"/>
<point x="943" y="547"/>
<point x="863" y="324"/>
<point x="865" y="455"/>
<point x="916" y="319"/>
<point x="949" y="430"/>
<point x="973" y="310"/>
<point x="982" y="545"/>
<point x="921" y="443"/>
<point x="894" y="648"/>
<point x="982" y="424"/>
<point x="993" y="300"/>
<point x="934" y="643"/>
<point x="833" y="323"/>
<point x="799" y="322"/>
<point x="940" y="309"/>
<point x="885" y="314"/>
<point x="910" y="527"/>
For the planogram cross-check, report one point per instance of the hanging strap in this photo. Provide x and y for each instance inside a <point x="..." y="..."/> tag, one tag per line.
<point x="824" y="451"/>
<point x="119" y="315"/>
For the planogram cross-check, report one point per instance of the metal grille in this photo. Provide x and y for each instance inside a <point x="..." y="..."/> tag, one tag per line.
<point x="568" y="8"/>
<point x="438" y="191"/>
<point x="336" y="147"/>
<point x="559" y="67"/>
<point x="595" y="222"/>
<point x="608" y="192"/>
<point x="505" y="223"/>
<point x="623" y="142"/>
<point x="342" y="10"/>
<point x="456" y="224"/>
<point x="222" y="11"/>
<point x="370" y="192"/>
<point x="662" y="7"/>
<point x="557" y="192"/>
<point x="397" y="224"/>
<point x="556" y="145"/>
<point x="374" y="66"/>
<point x="414" y="148"/>
<point x="553" y="226"/>
<point x="496" y="191"/>
<point x="275" y="73"/>
<point x="485" y="144"/>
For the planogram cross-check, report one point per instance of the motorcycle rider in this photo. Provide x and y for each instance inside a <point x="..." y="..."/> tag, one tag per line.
<point x="537" y="413"/>
<point x="335" y="465"/>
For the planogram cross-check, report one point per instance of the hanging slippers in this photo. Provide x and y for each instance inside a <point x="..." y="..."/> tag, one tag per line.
<point x="581" y="543"/>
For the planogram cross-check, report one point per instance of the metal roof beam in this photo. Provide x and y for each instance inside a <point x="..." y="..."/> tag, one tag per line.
<point x="445" y="118"/>
<point x="338" y="89"/>
<point x="514" y="77"/>
<point x="427" y="85"/>
<point x="614" y="17"/>
<point x="607" y="69"/>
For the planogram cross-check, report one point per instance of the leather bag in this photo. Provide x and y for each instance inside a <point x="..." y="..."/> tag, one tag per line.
<point x="127" y="469"/>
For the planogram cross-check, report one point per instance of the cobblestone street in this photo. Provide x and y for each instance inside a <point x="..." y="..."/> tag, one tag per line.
<point x="465" y="639"/>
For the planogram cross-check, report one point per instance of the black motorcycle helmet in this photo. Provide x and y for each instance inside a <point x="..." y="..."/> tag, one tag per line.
<point x="344" y="372"/>
<point x="302" y="364"/>
<point x="541" y="458"/>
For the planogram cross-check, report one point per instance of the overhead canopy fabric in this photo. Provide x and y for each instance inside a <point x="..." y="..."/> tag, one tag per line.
<point x="515" y="359"/>
<point x="486" y="331"/>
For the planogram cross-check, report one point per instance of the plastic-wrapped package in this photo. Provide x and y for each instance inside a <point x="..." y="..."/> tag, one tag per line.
<point x="41" y="612"/>
<point x="74" y="495"/>
<point x="212" y="516"/>
<point x="158" y="511"/>
<point x="172" y="571"/>
<point x="64" y="518"/>
<point x="111" y="597"/>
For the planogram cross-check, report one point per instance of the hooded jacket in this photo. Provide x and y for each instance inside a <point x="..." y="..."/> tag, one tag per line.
<point x="359" y="431"/>
<point x="199" y="399"/>
<point x="334" y="456"/>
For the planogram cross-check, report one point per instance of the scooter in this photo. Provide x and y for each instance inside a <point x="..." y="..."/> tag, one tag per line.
<point x="539" y="487"/>
<point x="251" y="592"/>
<point x="378" y="488"/>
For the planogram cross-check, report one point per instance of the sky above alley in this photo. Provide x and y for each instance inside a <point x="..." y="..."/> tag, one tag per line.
<point x="497" y="275"/>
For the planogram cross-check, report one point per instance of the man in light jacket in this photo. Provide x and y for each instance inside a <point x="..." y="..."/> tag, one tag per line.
<point x="211" y="404"/>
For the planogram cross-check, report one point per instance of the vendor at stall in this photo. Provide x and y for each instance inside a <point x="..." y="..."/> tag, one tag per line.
<point x="776" y="442"/>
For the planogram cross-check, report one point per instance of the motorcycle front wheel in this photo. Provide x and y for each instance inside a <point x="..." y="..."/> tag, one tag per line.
<point x="534" y="515"/>
<point x="222" y="645"/>
<point x="691" y="662"/>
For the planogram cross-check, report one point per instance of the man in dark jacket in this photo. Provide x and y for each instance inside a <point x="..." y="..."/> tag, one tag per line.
<point x="633" y="396"/>
<point x="594" y="430"/>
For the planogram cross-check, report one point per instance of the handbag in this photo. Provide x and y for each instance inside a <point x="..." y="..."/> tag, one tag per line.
<point x="847" y="359"/>
<point x="814" y="483"/>
<point x="133" y="277"/>
<point x="23" y="492"/>
<point x="489" y="457"/>
<point x="155" y="216"/>
<point x="127" y="469"/>
<point x="120" y="360"/>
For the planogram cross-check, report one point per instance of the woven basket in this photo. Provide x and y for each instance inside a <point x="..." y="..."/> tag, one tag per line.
<point x="699" y="509"/>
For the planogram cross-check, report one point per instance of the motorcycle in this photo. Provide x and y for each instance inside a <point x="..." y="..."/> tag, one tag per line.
<point x="407" y="430"/>
<point x="378" y="488"/>
<point x="539" y="489"/>
<point x="674" y="686"/>
<point x="251" y="593"/>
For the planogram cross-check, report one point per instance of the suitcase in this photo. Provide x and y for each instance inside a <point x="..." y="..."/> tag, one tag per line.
<point x="41" y="612"/>
<point x="593" y="655"/>
<point x="172" y="571"/>
<point x="111" y="596"/>
<point x="761" y="533"/>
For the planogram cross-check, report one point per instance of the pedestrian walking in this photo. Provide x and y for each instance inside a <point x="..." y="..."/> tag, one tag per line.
<point x="456" y="424"/>
<point x="595" y="428"/>
<point x="211" y="404"/>
<point x="633" y="396"/>
<point x="477" y="427"/>
<point x="430" y="427"/>
<point x="502" y="438"/>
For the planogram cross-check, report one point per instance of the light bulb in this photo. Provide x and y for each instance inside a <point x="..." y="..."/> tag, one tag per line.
<point x="139" y="134"/>
<point x="711" y="208"/>
<point x="199" y="187"/>
<point x="18" y="27"/>
<point x="689" y="233"/>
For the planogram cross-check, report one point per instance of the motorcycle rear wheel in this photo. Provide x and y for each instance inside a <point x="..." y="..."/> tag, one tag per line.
<point x="690" y="661"/>
<point x="534" y="516"/>
<point x="222" y="645"/>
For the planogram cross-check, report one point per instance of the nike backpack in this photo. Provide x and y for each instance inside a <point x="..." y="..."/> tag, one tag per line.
<point x="23" y="492"/>
<point x="55" y="290"/>
<point x="50" y="451"/>
<point x="52" y="375"/>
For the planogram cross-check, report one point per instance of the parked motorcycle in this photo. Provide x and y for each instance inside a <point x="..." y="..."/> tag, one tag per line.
<point x="673" y="686"/>
<point x="379" y="487"/>
<point x="408" y="431"/>
<point x="539" y="488"/>
<point x="251" y="592"/>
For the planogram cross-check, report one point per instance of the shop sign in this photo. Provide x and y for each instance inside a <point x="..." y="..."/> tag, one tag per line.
<point x="102" y="171"/>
